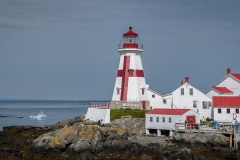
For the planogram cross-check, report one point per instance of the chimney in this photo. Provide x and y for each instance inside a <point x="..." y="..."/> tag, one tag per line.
<point x="181" y="83"/>
<point x="228" y="70"/>
<point x="187" y="79"/>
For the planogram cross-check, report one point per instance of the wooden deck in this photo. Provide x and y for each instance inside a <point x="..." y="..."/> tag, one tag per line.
<point x="222" y="128"/>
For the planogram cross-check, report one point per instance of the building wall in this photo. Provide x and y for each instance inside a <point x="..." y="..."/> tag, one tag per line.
<point x="96" y="114"/>
<point x="187" y="100"/>
<point x="161" y="125"/>
<point x="168" y="126"/>
<point x="224" y="116"/>
<point x="231" y="84"/>
<point x="212" y="93"/>
<point x="154" y="98"/>
<point x="135" y="85"/>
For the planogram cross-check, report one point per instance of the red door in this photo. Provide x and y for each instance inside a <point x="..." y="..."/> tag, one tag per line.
<point x="143" y="104"/>
<point x="190" y="119"/>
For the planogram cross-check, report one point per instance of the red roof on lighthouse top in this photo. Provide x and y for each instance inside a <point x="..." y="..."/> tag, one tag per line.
<point x="130" y="33"/>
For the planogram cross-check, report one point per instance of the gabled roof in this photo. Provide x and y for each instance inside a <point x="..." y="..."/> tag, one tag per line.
<point x="168" y="111"/>
<point x="222" y="89"/>
<point x="226" y="101"/>
<point x="236" y="75"/>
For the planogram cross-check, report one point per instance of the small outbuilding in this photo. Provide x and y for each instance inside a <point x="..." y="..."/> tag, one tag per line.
<point x="162" y="121"/>
<point x="226" y="108"/>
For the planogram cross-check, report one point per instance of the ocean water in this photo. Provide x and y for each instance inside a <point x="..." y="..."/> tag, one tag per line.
<point x="18" y="112"/>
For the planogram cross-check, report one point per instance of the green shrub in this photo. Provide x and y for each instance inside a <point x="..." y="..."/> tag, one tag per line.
<point x="135" y="113"/>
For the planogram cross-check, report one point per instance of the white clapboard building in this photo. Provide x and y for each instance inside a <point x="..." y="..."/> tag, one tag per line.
<point x="162" y="121"/>
<point x="227" y="86"/>
<point x="226" y="108"/>
<point x="188" y="97"/>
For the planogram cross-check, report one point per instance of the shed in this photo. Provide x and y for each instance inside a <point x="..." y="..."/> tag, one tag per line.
<point x="226" y="108"/>
<point x="162" y="121"/>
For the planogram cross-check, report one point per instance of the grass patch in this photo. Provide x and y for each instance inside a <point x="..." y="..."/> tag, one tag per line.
<point x="135" y="113"/>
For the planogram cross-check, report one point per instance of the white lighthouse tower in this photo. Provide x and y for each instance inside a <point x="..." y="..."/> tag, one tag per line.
<point x="130" y="88"/>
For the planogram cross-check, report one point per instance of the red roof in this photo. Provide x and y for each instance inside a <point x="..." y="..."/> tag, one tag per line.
<point x="130" y="33"/>
<point x="222" y="89"/>
<point x="236" y="75"/>
<point x="226" y="101"/>
<point x="168" y="111"/>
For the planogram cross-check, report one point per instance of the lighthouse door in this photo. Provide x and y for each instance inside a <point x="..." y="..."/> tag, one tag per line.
<point x="143" y="104"/>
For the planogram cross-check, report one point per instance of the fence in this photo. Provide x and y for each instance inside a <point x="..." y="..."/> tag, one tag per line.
<point x="100" y="105"/>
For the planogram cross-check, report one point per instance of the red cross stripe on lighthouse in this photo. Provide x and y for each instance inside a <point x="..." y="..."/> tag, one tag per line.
<point x="125" y="74"/>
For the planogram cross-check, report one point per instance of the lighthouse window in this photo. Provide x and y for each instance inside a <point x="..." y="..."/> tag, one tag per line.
<point x="130" y="40"/>
<point x="143" y="91"/>
<point x="130" y="72"/>
<point x="118" y="90"/>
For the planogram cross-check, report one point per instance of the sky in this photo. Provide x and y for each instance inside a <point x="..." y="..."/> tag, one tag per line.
<point x="67" y="50"/>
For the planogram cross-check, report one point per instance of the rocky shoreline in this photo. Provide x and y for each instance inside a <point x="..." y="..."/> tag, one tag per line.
<point x="121" y="139"/>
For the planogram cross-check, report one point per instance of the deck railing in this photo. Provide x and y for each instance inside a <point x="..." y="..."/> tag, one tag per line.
<point x="224" y="128"/>
<point x="100" y="105"/>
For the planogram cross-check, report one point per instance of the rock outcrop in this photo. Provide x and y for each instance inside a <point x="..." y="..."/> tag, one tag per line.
<point x="206" y="139"/>
<point x="121" y="139"/>
<point x="133" y="126"/>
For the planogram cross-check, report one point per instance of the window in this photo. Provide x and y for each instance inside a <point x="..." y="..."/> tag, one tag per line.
<point x="182" y="91"/>
<point x="163" y="119"/>
<point x="219" y="110"/>
<point x="164" y="101"/>
<point x="130" y="40"/>
<point x="157" y="119"/>
<point x="228" y="110"/>
<point x="151" y="119"/>
<point x="170" y="120"/>
<point x="143" y="89"/>
<point x="130" y="72"/>
<point x="237" y="111"/>
<point x="153" y="95"/>
<point x="190" y="91"/>
<point x="118" y="90"/>
<point x="194" y="104"/>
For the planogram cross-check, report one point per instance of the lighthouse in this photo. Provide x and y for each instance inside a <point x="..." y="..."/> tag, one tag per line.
<point x="130" y="90"/>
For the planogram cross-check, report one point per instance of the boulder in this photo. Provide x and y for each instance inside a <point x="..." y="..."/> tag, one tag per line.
<point x="201" y="138"/>
<point x="133" y="126"/>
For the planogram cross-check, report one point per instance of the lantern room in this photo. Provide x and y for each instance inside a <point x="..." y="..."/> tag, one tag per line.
<point x="130" y="39"/>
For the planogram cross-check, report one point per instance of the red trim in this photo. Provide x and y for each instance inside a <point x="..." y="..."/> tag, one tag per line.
<point x="130" y="45"/>
<point x="125" y="75"/>
<point x="168" y="111"/>
<point x="136" y="73"/>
